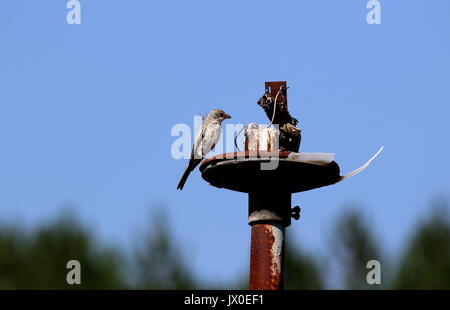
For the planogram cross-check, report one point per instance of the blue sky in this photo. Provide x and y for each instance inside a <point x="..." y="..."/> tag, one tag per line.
<point x="86" y="112"/>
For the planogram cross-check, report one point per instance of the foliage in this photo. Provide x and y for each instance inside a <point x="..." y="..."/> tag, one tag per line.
<point x="426" y="263"/>
<point x="354" y="245"/>
<point x="36" y="259"/>
<point x="159" y="261"/>
<point x="301" y="271"/>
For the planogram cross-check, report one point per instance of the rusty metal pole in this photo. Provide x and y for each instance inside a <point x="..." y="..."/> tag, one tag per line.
<point x="267" y="256"/>
<point x="269" y="214"/>
<point x="269" y="209"/>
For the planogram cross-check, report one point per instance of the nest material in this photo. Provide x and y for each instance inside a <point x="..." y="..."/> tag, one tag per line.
<point x="290" y="135"/>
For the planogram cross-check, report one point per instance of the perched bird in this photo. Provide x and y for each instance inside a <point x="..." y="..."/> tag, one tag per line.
<point x="204" y="141"/>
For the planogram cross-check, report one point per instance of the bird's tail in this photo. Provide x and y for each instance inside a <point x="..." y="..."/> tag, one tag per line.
<point x="184" y="178"/>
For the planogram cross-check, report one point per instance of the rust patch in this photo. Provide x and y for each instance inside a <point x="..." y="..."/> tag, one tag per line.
<point x="266" y="258"/>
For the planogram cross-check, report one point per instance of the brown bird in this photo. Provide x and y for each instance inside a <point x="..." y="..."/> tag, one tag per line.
<point x="204" y="141"/>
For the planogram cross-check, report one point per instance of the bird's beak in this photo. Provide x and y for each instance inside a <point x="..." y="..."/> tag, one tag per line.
<point x="227" y="116"/>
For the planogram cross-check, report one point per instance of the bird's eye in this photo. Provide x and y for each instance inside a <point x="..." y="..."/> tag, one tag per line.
<point x="221" y="114"/>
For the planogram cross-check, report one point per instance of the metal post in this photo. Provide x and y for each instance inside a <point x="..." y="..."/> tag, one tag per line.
<point x="267" y="256"/>
<point x="269" y="214"/>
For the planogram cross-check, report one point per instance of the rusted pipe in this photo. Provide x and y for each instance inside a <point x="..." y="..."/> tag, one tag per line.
<point x="267" y="256"/>
<point x="269" y="214"/>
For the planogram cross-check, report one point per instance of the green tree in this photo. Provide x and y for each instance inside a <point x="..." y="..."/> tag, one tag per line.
<point x="354" y="245"/>
<point x="37" y="260"/>
<point x="426" y="263"/>
<point x="301" y="270"/>
<point x="159" y="260"/>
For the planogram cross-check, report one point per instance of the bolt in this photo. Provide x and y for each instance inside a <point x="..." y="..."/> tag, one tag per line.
<point x="295" y="212"/>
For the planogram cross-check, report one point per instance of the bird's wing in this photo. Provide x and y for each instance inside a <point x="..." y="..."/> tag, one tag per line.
<point x="210" y="137"/>
<point x="197" y="146"/>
